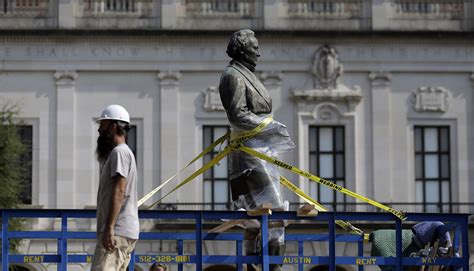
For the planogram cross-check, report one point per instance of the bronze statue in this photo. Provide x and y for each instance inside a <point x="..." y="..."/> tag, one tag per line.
<point x="253" y="181"/>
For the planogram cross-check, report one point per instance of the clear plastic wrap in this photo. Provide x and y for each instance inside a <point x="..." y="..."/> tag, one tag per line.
<point x="253" y="180"/>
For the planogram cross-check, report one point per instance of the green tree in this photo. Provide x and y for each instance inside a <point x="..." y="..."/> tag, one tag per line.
<point x="12" y="170"/>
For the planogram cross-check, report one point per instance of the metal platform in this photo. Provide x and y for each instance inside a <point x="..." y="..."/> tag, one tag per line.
<point x="460" y="240"/>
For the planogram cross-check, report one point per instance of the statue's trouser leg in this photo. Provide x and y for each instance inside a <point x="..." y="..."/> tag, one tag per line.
<point x="276" y="245"/>
<point x="249" y="191"/>
<point x="250" y="245"/>
<point x="276" y="250"/>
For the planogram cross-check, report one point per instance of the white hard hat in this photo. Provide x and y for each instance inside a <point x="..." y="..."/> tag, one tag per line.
<point x="115" y="112"/>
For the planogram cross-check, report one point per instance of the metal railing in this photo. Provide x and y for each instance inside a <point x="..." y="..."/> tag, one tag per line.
<point x="219" y="8"/>
<point x="325" y="8"/>
<point x="453" y="9"/>
<point x="122" y="8"/>
<point x="453" y="207"/>
<point x="198" y="235"/>
<point x="26" y="8"/>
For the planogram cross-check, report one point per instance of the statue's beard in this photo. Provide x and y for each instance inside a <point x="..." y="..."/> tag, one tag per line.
<point x="105" y="145"/>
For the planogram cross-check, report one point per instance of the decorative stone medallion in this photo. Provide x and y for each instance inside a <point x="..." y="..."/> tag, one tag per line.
<point x="326" y="71"/>
<point x="431" y="99"/>
<point x="326" y="68"/>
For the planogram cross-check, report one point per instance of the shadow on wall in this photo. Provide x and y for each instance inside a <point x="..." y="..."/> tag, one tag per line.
<point x="220" y="267"/>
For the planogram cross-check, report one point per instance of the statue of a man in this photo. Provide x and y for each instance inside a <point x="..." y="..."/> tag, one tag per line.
<point x="253" y="181"/>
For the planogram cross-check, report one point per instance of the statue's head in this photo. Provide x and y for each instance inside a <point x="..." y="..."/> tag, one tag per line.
<point x="243" y="46"/>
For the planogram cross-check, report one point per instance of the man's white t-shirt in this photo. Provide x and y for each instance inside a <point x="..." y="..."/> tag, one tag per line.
<point x="120" y="161"/>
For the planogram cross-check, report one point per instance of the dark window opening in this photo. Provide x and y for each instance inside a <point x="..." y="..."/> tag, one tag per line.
<point x="131" y="140"/>
<point x="432" y="168"/>
<point x="327" y="160"/>
<point x="216" y="179"/>
<point x="26" y="135"/>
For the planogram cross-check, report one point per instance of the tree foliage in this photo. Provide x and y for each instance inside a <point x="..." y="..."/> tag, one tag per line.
<point x="12" y="169"/>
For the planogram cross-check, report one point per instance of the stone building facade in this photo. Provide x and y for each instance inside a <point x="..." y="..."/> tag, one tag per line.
<point x="377" y="96"/>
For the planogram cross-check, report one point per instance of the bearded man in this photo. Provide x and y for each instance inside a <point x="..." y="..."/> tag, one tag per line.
<point x="117" y="208"/>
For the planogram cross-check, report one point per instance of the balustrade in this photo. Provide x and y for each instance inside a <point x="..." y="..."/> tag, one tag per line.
<point x="325" y="8"/>
<point x="27" y="8"/>
<point x="118" y="7"/>
<point x="431" y="8"/>
<point x="211" y="8"/>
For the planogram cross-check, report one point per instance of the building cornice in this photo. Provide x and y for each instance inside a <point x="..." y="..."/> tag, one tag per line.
<point x="201" y="36"/>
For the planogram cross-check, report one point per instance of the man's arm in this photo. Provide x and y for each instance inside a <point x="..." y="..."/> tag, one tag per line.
<point x="116" y="201"/>
<point x="443" y="236"/>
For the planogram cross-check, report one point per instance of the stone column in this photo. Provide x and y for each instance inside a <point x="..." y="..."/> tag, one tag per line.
<point x="272" y="13"/>
<point x="170" y="11"/>
<point x="169" y="128"/>
<point x="65" y="135"/>
<point x="66" y="14"/>
<point x="470" y="139"/>
<point x="382" y="11"/>
<point x="367" y="15"/>
<point x="381" y="136"/>
<point x="468" y="20"/>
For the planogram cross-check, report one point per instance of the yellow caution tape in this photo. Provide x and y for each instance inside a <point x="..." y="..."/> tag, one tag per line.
<point x="236" y="141"/>
<point x="238" y="138"/>
<point x="319" y="180"/>
<point x="207" y="166"/>
<point x="220" y="140"/>
<point x="235" y="138"/>
<point x="341" y="223"/>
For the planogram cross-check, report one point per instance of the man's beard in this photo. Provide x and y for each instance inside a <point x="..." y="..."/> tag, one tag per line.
<point x="105" y="145"/>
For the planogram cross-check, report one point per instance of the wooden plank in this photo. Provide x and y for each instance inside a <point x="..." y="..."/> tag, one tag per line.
<point x="264" y="209"/>
<point x="307" y="210"/>
<point x="259" y="212"/>
<point x="226" y="226"/>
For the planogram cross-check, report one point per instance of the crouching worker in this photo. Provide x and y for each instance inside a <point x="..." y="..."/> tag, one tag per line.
<point x="414" y="242"/>
<point x="117" y="209"/>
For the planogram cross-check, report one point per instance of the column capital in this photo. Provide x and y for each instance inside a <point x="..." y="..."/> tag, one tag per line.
<point x="380" y="79"/>
<point x="169" y="78"/>
<point x="65" y="78"/>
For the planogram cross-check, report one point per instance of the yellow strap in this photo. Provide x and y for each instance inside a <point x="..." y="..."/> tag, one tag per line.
<point x="317" y="179"/>
<point x="208" y="149"/>
<point x="343" y="224"/>
<point x="207" y="166"/>
<point x="238" y="138"/>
